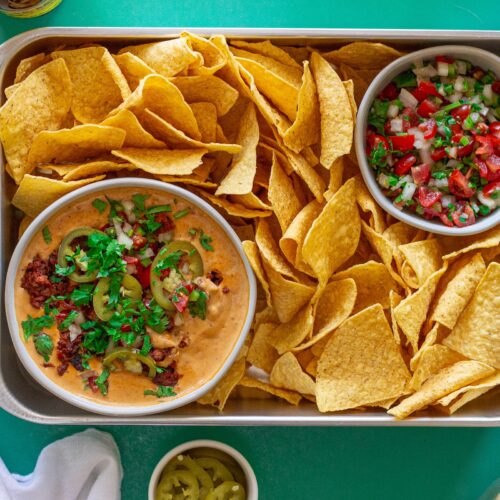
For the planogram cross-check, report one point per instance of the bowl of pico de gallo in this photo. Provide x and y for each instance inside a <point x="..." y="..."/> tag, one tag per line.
<point x="428" y="139"/>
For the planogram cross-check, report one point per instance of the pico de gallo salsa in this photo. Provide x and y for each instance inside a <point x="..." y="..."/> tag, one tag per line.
<point x="433" y="139"/>
<point x="125" y="294"/>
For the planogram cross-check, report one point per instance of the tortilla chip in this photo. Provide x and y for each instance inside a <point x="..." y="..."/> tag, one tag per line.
<point x="266" y="48"/>
<point x="207" y="89"/>
<point x="95" y="90"/>
<point x="364" y="55"/>
<point x="163" y="161"/>
<point x="442" y="383"/>
<point x="90" y="169"/>
<point x="137" y="136"/>
<point x="9" y="91"/>
<point x="336" y="174"/>
<point x="336" y="115"/>
<point x="394" y="300"/>
<point x="176" y="138"/>
<point x="459" y="246"/>
<point x="250" y="200"/>
<point x="361" y="364"/>
<point x="291" y="397"/>
<point x="312" y="367"/>
<point x="287" y="374"/>
<point x="163" y="98"/>
<point x="41" y="102"/>
<point x="234" y="208"/>
<point x="476" y="334"/>
<point x="434" y="336"/>
<point x="28" y="65"/>
<point x="75" y="144"/>
<point x="412" y="311"/>
<point x="432" y="359"/>
<point x="37" y="193"/>
<point x="338" y="222"/>
<point x="368" y="205"/>
<point x="305" y="130"/>
<point x="133" y="68"/>
<point x="252" y="252"/>
<point x="261" y="354"/>
<point x="422" y="258"/>
<point x="213" y="57"/>
<point x="334" y="306"/>
<point x="288" y="297"/>
<point x="286" y="336"/>
<point x="168" y="58"/>
<point x="451" y="303"/>
<point x="373" y="283"/>
<point x="206" y="117"/>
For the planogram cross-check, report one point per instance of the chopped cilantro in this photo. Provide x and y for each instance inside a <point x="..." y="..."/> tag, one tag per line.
<point x="32" y="326"/>
<point x="378" y="115"/>
<point x="393" y="179"/>
<point x="140" y="201"/>
<point x="101" y="381"/>
<point x="115" y="206"/>
<point x="198" y="304"/>
<point x="163" y="391"/>
<point x="82" y="295"/>
<point x="406" y="79"/>
<point x="99" y="205"/>
<point x="159" y="209"/>
<point x="46" y="234"/>
<point x="182" y="213"/>
<point x="439" y="175"/>
<point x="146" y="346"/>
<point x="70" y="318"/>
<point x="192" y="231"/>
<point x="44" y="346"/>
<point x="205" y="241"/>
<point x="170" y="261"/>
<point x="484" y="210"/>
<point x="378" y="156"/>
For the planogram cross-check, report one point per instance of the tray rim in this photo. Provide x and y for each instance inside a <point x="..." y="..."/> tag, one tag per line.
<point x="12" y="46"/>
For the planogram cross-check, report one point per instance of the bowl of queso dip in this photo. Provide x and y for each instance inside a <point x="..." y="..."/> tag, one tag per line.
<point x="129" y="297"/>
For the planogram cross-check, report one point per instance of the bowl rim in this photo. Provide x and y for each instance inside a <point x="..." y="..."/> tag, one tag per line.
<point x="113" y="409"/>
<point x="376" y="85"/>
<point x="252" y="490"/>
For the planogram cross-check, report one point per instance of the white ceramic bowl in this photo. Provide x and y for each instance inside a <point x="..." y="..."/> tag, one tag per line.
<point x="479" y="57"/>
<point x="37" y="225"/>
<point x="252" y="489"/>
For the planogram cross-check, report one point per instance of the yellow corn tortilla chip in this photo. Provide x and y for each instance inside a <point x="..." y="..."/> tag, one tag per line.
<point x="95" y="90"/>
<point x="76" y="144"/>
<point x="28" y="65"/>
<point x="163" y="161"/>
<point x="213" y="57"/>
<point x="451" y="303"/>
<point x="442" y="383"/>
<point x="364" y="55"/>
<point x="394" y="300"/>
<point x="488" y="239"/>
<point x="476" y="334"/>
<point x="412" y="311"/>
<point x="37" y="193"/>
<point x="361" y="364"/>
<point x="219" y="395"/>
<point x="234" y="208"/>
<point x="137" y="136"/>
<point x="287" y="374"/>
<point x="336" y="174"/>
<point x="286" y="336"/>
<point x="434" y="336"/>
<point x="432" y="359"/>
<point x="338" y="223"/>
<point x="373" y="284"/>
<point x="464" y="395"/>
<point x="250" y="200"/>
<point x="287" y="297"/>
<point x="25" y="222"/>
<point x="293" y="238"/>
<point x="207" y="89"/>
<point x="133" y="68"/>
<point x="284" y="201"/>
<point x="266" y="48"/>
<point x="334" y="306"/>
<point x="252" y="252"/>
<point x="291" y="397"/>
<point x="422" y="258"/>
<point x="206" y="117"/>
<point x="166" y="132"/>
<point x="336" y="115"/>
<point x="41" y="102"/>
<point x="261" y="354"/>
<point x="349" y="88"/>
<point x="163" y="98"/>
<point x="168" y="58"/>
<point x="91" y="169"/>
<point x="9" y="91"/>
<point x="240" y="178"/>
<point x="312" y="367"/>
<point x="305" y="130"/>
<point x="368" y="204"/>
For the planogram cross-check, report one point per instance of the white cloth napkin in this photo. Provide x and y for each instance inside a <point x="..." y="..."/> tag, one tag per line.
<point x="85" y="466"/>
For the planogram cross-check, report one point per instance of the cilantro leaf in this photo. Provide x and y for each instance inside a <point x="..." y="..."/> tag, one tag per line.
<point x="146" y="346"/>
<point x="101" y="381"/>
<point x="70" y="318"/>
<point x="32" y="326"/>
<point x="182" y="213"/>
<point x="140" y="201"/>
<point x="44" y="346"/>
<point x="168" y="262"/>
<point x="82" y="295"/>
<point x="205" y="241"/>
<point x="46" y="234"/>
<point x="197" y="304"/>
<point x="99" y="205"/>
<point x="163" y="391"/>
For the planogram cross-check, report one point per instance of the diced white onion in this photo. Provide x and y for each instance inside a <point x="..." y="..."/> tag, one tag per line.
<point x="442" y="68"/>
<point x="440" y="183"/>
<point x="148" y="253"/>
<point x="461" y="67"/>
<point x="131" y="268"/>
<point x="87" y="374"/>
<point x="126" y="227"/>
<point x="442" y="91"/>
<point x="425" y="154"/>
<point x="428" y="71"/>
<point x="452" y="163"/>
<point x="129" y="206"/>
<point x="453" y="152"/>
<point x="484" y="110"/>
<point x="390" y="161"/>
<point x="165" y="237"/>
<point x="475" y="100"/>
<point x="459" y="84"/>
<point x="455" y="97"/>
<point x="408" y="191"/>
<point x="489" y="202"/>
<point x="392" y="111"/>
<point x="397" y="125"/>
<point x="407" y="99"/>
<point x="474" y="117"/>
<point x="447" y="199"/>
<point x="491" y="117"/>
<point x="383" y="181"/>
<point x="123" y="239"/>
<point x="178" y="319"/>
<point x="185" y="268"/>
<point x="488" y="92"/>
<point x="402" y="180"/>
<point x="74" y="331"/>
<point x="80" y="318"/>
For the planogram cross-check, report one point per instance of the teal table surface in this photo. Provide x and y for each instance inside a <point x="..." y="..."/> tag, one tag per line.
<point x="290" y="463"/>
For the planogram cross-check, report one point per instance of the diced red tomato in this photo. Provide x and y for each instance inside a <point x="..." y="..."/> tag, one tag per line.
<point x="130" y="260"/>
<point x="429" y="128"/>
<point x="428" y="88"/>
<point x="418" y="94"/>
<point x="495" y="129"/>
<point x="461" y="113"/>
<point x="480" y="128"/>
<point x="465" y="150"/>
<point x="445" y="220"/>
<point x="427" y="197"/>
<point x="374" y="140"/>
<point x="165" y="221"/>
<point x="390" y="92"/>
<point x="495" y="86"/>
<point x="493" y="163"/>
<point x="456" y="129"/>
<point x="402" y="142"/>
<point x="426" y="108"/>
<point x="126" y="328"/>
<point x="490" y="188"/>
<point x="458" y="185"/>
<point x="181" y="302"/>
<point x="144" y="275"/>
<point x="92" y="384"/>
<point x="486" y="145"/>
<point x="403" y="165"/>
<point x="464" y="215"/>
<point x="445" y="59"/>
<point x="438" y="154"/>
<point x="410" y="118"/>
<point x="421" y="174"/>
<point x="482" y="167"/>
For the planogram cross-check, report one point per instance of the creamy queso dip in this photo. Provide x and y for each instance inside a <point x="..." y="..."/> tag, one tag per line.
<point x="195" y="345"/>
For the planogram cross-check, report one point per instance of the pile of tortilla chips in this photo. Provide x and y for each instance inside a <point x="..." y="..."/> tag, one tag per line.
<point x="355" y="309"/>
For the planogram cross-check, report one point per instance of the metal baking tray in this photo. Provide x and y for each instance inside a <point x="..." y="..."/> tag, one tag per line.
<point x="21" y="396"/>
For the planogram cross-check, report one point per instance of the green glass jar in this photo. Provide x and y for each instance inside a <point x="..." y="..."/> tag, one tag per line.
<point x="27" y="8"/>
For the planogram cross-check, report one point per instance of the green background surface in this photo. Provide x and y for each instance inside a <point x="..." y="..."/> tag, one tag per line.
<point x="305" y="462"/>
